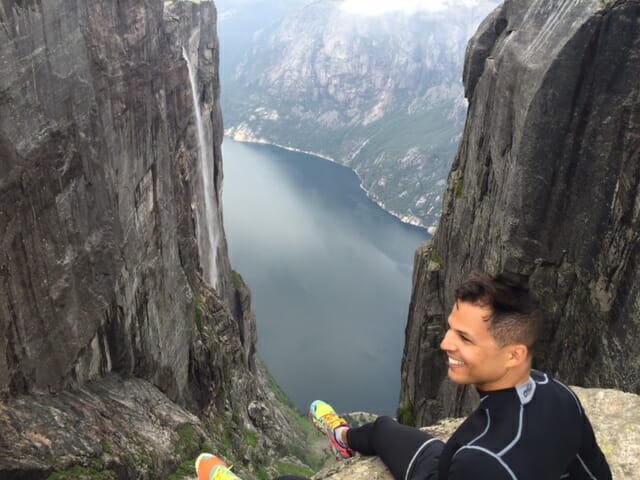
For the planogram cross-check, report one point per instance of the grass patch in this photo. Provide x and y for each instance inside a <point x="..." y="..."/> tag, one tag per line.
<point x="186" y="448"/>
<point x="199" y="311"/>
<point x="459" y="188"/>
<point x="106" y="448"/>
<point x="186" y="469"/>
<point x="188" y="441"/>
<point x="236" y="279"/>
<point x="435" y="259"/>
<point x="285" y="468"/>
<point x="82" y="473"/>
<point x="227" y="444"/>
<point x="251" y="438"/>
<point x="405" y="415"/>
<point x="140" y="461"/>
<point x="262" y="474"/>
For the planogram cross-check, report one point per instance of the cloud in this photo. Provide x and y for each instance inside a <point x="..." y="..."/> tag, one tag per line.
<point x="377" y="7"/>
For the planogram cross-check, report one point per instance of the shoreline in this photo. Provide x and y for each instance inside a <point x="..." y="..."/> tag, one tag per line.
<point x="261" y="141"/>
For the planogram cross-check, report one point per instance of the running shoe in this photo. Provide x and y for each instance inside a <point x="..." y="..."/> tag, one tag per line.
<point x="210" y="467"/>
<point x="326" y="420"/>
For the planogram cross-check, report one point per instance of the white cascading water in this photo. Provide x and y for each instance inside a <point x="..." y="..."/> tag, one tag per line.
<point x="208" y="226"/>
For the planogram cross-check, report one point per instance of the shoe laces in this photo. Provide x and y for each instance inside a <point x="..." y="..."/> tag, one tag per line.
<point x="333" y="420"/>
<point x="224" y="473"/>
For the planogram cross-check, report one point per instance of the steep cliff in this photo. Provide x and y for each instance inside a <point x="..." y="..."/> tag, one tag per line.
<point x="545" y="187"/>
<point x="114" y="317"/>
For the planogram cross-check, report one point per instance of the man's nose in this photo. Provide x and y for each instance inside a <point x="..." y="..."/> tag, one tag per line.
<point x="447" y="343"/>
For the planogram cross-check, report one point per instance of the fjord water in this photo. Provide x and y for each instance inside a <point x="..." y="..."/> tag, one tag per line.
<point x="330" y="272"/>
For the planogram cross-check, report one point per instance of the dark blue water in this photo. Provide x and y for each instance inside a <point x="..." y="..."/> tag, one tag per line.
<point x="330" y="273"/>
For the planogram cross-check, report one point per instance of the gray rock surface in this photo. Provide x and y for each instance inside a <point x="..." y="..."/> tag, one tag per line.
<point x="615" y="417"/>
<point x="99" y="264"/>
<point x="93" y="426"/>
<point x="108" y="333"/>
<point x="546" y="187"/>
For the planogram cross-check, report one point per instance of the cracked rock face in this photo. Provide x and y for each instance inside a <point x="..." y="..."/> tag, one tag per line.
<point x="545" y="187"/>
<point x="98" y="264"/>
<point x="107" y="329"/>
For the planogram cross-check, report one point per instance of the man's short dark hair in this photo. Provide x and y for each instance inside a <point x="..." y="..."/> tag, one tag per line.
<point x="516" y="317"/>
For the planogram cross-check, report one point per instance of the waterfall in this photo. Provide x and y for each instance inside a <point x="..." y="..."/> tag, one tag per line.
<point x="206" y="212"/>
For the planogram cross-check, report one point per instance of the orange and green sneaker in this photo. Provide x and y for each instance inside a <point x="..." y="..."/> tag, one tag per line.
<point x="210" y="467"/>
<point x="326" y="420"/>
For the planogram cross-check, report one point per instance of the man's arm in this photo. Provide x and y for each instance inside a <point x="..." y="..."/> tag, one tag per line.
<point x="477" y="463"/>
<point x="590" y="461"/>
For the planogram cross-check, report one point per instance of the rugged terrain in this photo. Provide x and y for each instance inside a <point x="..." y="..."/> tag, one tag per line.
<point x="380" y="94"/>
<point x="119" y="360"/>
<point x="123" y="348"/>
<point x="545" y="188"/>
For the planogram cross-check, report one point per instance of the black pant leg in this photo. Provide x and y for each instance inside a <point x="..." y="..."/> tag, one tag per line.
<point x="394" y="443"/>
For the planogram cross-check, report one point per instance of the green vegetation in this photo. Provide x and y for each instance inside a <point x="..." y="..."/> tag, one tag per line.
<point x="186" y="469"/>
<point x="435" y="258"/>
<point x="186" y="449"/>
<point x="106" y="448"/>
<point x="277" y="391"/>
<point x="200" y="311"/>
<point x="286" y="468"/>
<point x="188" y="441"/>
<point x="251" y="438"/>
<point x="385" y="143"/>
<point x="358" y="419"/>
<point x="227" y="443"/>
<point x="236" y="279"/>
<point x="405" y="415"/>
<point x="304" y="452"/>
<point x="82" y="473"/>
<point x="220" y="434"/>
<point x="262" y="474"/>
<point x="459" y="187"/>
<point x="140" y="460"/>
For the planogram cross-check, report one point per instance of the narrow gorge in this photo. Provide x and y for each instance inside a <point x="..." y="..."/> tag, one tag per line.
<point x="127" y="342"/>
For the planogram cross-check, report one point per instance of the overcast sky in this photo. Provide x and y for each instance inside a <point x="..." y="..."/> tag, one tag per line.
<point x="376" y="7"/>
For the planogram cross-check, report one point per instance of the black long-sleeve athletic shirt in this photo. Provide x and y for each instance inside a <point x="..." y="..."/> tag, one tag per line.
<point x="537" y="431"/>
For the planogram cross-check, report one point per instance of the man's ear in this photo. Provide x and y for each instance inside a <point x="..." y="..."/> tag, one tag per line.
<point x="517" y="354"/>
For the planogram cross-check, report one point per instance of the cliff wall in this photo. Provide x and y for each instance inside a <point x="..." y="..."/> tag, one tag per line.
<point x="99" y="262"/>
<point x="110" y="337"/>
<point x="545" y="187"/>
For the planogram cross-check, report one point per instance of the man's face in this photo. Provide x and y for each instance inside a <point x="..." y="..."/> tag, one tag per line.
<point x="474" y="356"/>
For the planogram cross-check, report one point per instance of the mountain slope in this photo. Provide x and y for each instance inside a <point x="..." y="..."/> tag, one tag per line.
<point x="380" y="94"/>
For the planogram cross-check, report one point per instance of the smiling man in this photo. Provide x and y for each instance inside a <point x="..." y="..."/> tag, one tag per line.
<point x="528" y="425"/>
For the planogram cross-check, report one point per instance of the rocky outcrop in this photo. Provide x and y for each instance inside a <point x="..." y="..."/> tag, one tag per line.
<point x="615" y="417"/>
<point x="545" y="187"/>
<point x="109" y="335"/>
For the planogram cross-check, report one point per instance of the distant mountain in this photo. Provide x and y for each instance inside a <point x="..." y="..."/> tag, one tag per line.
<point x="379" y="93"/>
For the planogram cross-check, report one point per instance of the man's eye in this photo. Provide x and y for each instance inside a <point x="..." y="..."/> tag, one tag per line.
<point x="465" y="339"/>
